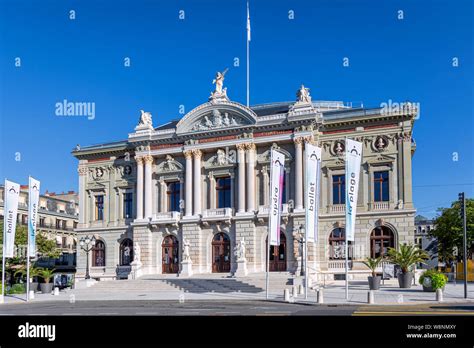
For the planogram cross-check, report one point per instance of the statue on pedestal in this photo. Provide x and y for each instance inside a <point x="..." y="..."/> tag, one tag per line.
<point x="240" y="250"/>
<point x="136" y="252"/>
<point x="186" y="255"/>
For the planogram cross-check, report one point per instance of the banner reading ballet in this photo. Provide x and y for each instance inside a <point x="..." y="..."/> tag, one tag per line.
<point x="11" y="194"/>
<point x="353" y="158"/>
<point x="313" y="177"/>
<point x="277" y="169"/>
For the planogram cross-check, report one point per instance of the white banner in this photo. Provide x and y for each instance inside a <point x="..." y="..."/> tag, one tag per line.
<point x="11" y="194"/>
<point x="277" y="169"/>
<point x="353" y="158"/>
<point x="33" y="202"/>
<point x="313" y="177"/>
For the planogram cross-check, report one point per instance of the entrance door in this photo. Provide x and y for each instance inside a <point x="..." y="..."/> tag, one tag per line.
<point x="221" y="253"/>
<point x="170" y="249"/>
<point x="278" y="255"/>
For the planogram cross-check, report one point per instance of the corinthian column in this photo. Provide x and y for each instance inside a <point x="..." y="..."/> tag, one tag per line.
<point x="82" y="194"/>
<point x="197" y="181"/>
<point x="250" y="177"/>
<point x="298" y="173"/>
<point x="189" y="183"/>
<point x="148" y="160"/>
<point x="139" y="161"/>
<point x="241" y="188"/>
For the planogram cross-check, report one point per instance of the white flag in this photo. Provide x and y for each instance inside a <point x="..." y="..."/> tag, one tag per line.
<point x="313" y="177"/>
<point x="11" y="194"/>
<point x="33" y="201"/>
<point x="248" y="22"/>
<point x="353" y="158"/>
<point x="276" y="187"/>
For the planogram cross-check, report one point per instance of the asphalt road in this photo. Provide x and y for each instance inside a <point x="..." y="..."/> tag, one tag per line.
<point x="226" y="308"/>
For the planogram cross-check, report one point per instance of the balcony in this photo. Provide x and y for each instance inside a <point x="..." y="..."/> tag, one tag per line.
<point x="217" y="214"/>
<point x="380" y="206"/>
<point x="170" y="217"/>
<point x="263" y="210"/>
<point x="337" y="209"/>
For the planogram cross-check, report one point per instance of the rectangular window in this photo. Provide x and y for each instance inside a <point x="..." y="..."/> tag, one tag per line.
<point x="127" y="205"/>
<point x="283" y="192"/>
<point x="99" y="207"/>
<point x="41" y="222"/>
<point x="58" y="223"/>
<point x="339" y="189"/>
<point x="64" y="224"/>
<point x="223" y="192"/>
<point x="172" y="194"/>
<point x="381" y="186"/>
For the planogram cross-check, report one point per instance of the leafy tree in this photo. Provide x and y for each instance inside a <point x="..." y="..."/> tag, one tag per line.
<point x="21" y="234"/>
<point x="448" y="230"/>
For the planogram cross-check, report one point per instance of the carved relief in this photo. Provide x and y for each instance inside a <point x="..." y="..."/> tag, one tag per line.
<point x="169" y="165"/>
<point x="216" y="120"/>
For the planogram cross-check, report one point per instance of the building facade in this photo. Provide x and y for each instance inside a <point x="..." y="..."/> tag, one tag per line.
<point x="58" y="215"/>
<point x="185" y="196"/>
<point x="425" y="242"/>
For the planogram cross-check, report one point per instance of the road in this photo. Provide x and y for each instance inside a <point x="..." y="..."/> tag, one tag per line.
<point x="226" y="308"/>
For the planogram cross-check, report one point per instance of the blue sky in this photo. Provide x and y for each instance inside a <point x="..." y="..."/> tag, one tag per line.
<point x="173" y="63"/>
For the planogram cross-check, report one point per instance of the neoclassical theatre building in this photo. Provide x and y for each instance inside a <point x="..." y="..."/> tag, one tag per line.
<point x="188" y="196"/>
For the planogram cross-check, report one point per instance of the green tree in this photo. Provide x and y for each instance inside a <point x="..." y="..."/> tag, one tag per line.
<point x="448" y="230"/>
<point x="21" y="234"/>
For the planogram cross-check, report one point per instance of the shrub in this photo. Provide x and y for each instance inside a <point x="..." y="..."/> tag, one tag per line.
<point x="437" y="279"/>
<point x="17" y="289"/>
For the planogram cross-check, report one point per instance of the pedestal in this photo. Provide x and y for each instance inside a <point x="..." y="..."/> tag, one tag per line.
<point x="136" y="271"/>
<point x="186" y="268"/>
<point x="241" y="270"/>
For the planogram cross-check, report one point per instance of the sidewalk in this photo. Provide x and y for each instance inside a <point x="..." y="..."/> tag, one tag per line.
<point x="334" y="293"/>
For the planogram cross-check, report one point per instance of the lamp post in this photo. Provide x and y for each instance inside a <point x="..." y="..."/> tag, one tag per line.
<point x="87" y="243"/>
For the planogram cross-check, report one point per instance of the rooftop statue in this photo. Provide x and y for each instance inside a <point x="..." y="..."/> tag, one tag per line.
<point x="219" y="81"/>
<point x="145" y="119"/>
<point x="303" y="95"/>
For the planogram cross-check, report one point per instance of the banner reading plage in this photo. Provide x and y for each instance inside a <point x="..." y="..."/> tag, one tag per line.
<point x="353" y="158"/>
<point x="312" y="166"/>
<point x="33" y="201"/>
<point x="276" y="186"/>
<point x="11" y="194"/>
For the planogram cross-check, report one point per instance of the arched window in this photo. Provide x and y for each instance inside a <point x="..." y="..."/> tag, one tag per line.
<point x="221" y="253"/>
<point x="126" y="252"/>
<point x="337" y="241"/>
<point x="98" y="254"/>
<point x="381" y="238"/>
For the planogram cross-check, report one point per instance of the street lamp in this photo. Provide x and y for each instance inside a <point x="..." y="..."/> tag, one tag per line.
<point x="302" y="242"/>
<point x="87" y="243"/>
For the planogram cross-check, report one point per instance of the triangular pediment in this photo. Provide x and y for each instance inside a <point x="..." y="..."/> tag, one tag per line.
<point x="380" y="159"/>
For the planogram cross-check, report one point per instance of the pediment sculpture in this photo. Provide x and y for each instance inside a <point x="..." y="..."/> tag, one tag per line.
<point x="222" y="158"/>
<point x="217" y="120"/>
<point x="170" y="165"/>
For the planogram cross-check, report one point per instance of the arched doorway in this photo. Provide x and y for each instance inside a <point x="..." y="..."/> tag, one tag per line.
<point x="170" y="255"/>
<point x="278" y="255"/>
<point x="126" y="252"/>
<point x="98" y="254"/>
<point x="337" y="242"/>
<point x="221" y="253"/>
<point x="381" y="238"/>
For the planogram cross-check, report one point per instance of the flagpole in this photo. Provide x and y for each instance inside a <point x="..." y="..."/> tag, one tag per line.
<point x="345" y="234"/>
<point x="305" y="265"/>
<point x="3" y="249"/>
<point x="248" y="55"/>
<point x="28" y="243"/>
<point x="267" y="279"/>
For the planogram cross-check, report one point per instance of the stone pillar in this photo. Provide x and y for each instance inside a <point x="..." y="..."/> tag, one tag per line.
<point x="148" y="160"/>
<point x="250" y="177"/>
<point x="82" y="194"/>
<point x="189" y="183"/>
<point x="197" y="181"/>
<point x="298" y="173"/>
<point x="139" y="161"/>
<point x="407" y="172"/>
<point x="241" y="186"/>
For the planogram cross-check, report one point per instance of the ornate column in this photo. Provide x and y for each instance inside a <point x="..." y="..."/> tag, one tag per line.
<point x="139" y="161"/>
<point x="82" y="194"/>
<point x="298" y="173"/>
<point x="266" y="186"/>
<point x="197" y="181"/>
<point x="148" y="160"/>
<point x="250" y="176"/>
<point x="189" y="183"/>
<point x="241" y="187"/>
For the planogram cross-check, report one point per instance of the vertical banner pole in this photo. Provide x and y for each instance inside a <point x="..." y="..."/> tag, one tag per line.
<point x="3" y="269"/>
<point x="248" y="55"/>
<point x="306" y="275"/>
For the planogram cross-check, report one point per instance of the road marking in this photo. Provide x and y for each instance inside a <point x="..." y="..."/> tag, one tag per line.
<point x="107" y="313"/>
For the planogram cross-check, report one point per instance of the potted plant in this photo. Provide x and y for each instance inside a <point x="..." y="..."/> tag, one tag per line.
<point x="46" y="274"/>
<point x="374" y="280"/>
<point x="34" y="272"/>
<point x="406" y="257"/>
<point x="433" y="280"/>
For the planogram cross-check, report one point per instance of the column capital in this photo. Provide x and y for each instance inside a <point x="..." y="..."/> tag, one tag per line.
<point x="197" y="153"/>
<point x="240" y="147"/>
<point x="82" y="170"/>
<point x="139" y="159"/>
<point x="298" y="141"/>
<point x="188" y="154"/>
<point x="309" y="140"/>
<point x="250" y="146"/>
<point x="148" y="159"/>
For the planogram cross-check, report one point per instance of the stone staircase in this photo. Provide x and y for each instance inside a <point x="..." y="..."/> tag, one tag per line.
<point x="199" y="284"/>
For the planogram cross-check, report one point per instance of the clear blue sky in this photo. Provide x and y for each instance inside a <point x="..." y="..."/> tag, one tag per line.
<point x="173" y="62"/>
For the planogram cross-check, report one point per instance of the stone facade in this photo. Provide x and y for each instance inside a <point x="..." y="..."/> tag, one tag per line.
<point x="224" y="139"/>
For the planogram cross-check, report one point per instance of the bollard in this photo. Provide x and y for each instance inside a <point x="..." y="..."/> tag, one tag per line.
<point x="295" y="291"/>
<point x="56" y="291"/>
<point x="439" y="295"/>
<point x="300" y="290"/>
<point x="31" y="296"/>
<point x="320" y="296"/>
<point x="286" y="294"/>
<point x="370" y="297"/>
